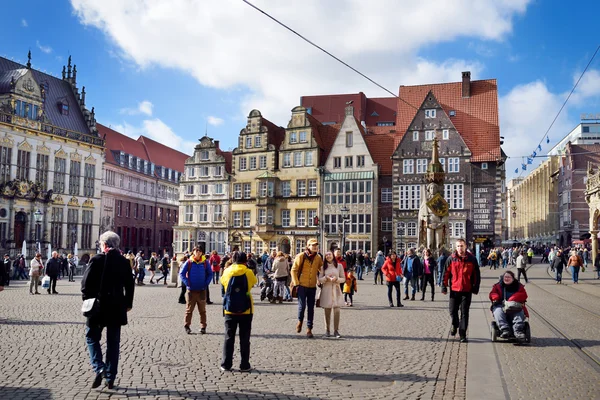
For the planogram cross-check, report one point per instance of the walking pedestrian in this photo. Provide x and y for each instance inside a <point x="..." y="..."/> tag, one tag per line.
<point x="72" y="267"/>
<point x="196" y="275"/>
<point x="304" y="275"/>
<point x="429" y="266"/>
<point x="183" y="287"/>
<point x="412" y="269"/>
<point x="140" y="268"/>
<point x="64" y="266"/>
<point x="19" y="268"/>
<point x="558" y="263"/>
<point x="462" y="271"/>
<point x="6" y="267"/>
<point x="238" y="309"/>
<point x="521" y="267"/>
<point x="597" y="266"/>
<point x="341" y="261"/>
<point x="441" y="264"/>
<point x="368" y="263"/>
<point x="108" y="278"/>
<point x="35" y="271"/>
<point x="360" y="264"/>
<point x="392" y="270"/>
<point x="379" y="261"/>
<point x="215" y="262"/>
<point x="350" y="287"/>
<point x="53" y="267"/>
<point x="574" y="265"/>
<point x="153" y="261"/>
<point x="163" y="266"/>
<point x="280" y="275"/>
<point x="331" y="276"/>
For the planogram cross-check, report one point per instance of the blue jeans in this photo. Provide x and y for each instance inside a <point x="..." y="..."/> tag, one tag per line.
<point x="504" y="262"/>
<point x="558" y="274"/>
<point x="93" y="336"/>
<point x="141" y="275"/>
<point x="414" y="282"/>
<point x="512" y="320"/>
<point x="306" y="297"/>
<point x="359" y="272"/>
<point x="575" y="273"/>
<point x="440" y="275"/>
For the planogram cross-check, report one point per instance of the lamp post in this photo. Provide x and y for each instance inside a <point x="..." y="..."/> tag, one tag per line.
<point x="250" y="234"/>
<point x="37" y="216"/>
<point x="385" y="246"/>
<point x="345" y="217"/>
<point x="514" y="214"/>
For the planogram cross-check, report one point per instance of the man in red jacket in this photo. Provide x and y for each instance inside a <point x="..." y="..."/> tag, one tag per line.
<point x="462" y="270"/>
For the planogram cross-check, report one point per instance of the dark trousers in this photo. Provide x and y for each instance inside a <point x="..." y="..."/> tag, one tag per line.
<point x="306" y="298"/>
<point x="113" y="341"/>
<point x="460" y="301"/>
<point x="521" y="271"/>
<point x="348" y="296"/>
<point x="391" y="286"/>
<point x="428" y="279"/>
<point x="231" y="324"/>
<point x="379" y="272"/>
<point x="182" y="294"/>
<point x="165" y="273"/>
<point x="52" y="283"/>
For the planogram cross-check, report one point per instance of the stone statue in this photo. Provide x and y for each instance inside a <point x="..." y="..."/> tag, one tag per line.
<point x="433" y="212"/>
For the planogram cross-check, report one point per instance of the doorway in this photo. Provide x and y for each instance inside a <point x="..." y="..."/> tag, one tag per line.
<point x="20" y="223"/>
<point x="284" y="246"/>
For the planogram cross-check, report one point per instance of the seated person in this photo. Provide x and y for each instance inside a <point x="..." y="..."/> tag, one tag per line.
<point x="509" y="316"/>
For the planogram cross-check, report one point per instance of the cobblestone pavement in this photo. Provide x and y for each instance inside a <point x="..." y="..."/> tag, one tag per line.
<point x="384" y="353"/>
<point x="564" y="318"/>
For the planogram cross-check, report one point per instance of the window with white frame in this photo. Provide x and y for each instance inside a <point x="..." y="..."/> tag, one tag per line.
<point x="247" y="190"/>
<point x="484" y="165"/>
<point x="293" y="137"/>
<point x="246" y="219"/>
<point x="300" y="218"/>
<point x="453" y="164"/>
<point x="204" y="155"/>
<point x="190" y="172"/>
<point x="204" y="189"/>
<point x="308" y="158"/>
<point x="237" y="190"/>
<point x="218" y="170"/>
<point x="257" y="141"/>
<point x="297" y="159"/>
<point x="300" y="245"/>
<point x="337" y="162"/>
<point x="421" y="165"/>
<point x="311" y="214"/>
<point x="386" y="195"/>
<point x="189" y="213"/>
<point x="360" y="161"/>
<point x="259" y="246"/>
<point x="189" y="189"/>
<point x="429" y="134"/>
<point x="410" y="197"/>
<point x="270" y="216"/>
<point x="330" y="223"/>
<point x="262" y="162"/>
<point x="386" y="224"/>
<point x="400" y="247"/>
<point x="415" y="136"/>
<point x="408" y="167"/>
<point x="262" y="189"/>
<point x="401" y="229"/>
<point x="285" y="218"/>
<point x="203" y="208"/>
<point x="445" y="134"/>
<point x="411" y="229"/>
<point x="347" y="192"/>
<point x="217" y="212"/>
<point x="312" y="187"/>
<point x="242" y="163"/>
<point x="247" y="246"/>
<point x="286" y="189"/>
<point x="253" y="163"/>
<point x="272" y="245"/>
<point x="262" y="217"/>
<point x="287" y="160"/>
<point x="204" y="171"/>
<point x="301" y="187"/>
<point x="249" y="142"/>
<point x="237" y="221"/>
<point x="430" y="113"/>
<point x="218" y="188"/>
<point x="348" y="139"/>
<point x="302" y="137"/>
<point x="459" y="230"/>
<point x="348" y="162"/>
<point x="454" y="195"/>
<point x="443" y="162"/>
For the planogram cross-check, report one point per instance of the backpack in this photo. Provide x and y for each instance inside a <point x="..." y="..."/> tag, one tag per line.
<point x="236" y="299"/>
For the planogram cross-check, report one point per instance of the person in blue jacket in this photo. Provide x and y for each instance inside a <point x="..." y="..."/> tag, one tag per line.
<point x="412" y="269"/>
<point x="196" y="275"/>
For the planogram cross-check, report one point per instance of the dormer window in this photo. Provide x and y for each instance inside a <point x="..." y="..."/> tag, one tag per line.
<point x="63" y="107"/>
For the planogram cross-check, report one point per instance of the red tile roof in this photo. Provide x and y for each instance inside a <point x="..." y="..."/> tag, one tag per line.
<point x="384" y="107"/>
<point x="330" y="108"/>
<point x="228" y="156"/>
<point x="163" y="155"/>
<point x="276" y="134"/>
<point x="476" y="116"/>
<point x="382" y="147"/>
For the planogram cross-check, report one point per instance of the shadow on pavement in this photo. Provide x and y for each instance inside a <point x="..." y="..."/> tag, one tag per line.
<point x="558" y="342"/>
<point x="136" y="393"/>
<point x="11" y="392"/>
<point x="23" y="322"/>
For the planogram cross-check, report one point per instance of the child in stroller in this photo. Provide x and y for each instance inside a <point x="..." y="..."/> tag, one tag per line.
<point x="508" y="298"/>
<point x="266" y="288"/>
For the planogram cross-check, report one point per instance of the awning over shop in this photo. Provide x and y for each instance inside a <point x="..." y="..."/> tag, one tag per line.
<point x="350" y="176"/>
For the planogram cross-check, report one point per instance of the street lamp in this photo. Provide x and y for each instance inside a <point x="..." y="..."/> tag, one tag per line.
<point x="250" y="234"/>
<point x="37" y="216"/>
<point x="384" y="246"/>
<point x="345" y="217"/>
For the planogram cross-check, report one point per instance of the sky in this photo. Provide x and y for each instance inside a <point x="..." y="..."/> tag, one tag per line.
<point x="179" y="69"/>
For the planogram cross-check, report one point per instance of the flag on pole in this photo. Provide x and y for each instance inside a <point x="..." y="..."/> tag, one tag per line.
<point x="533" y="154"/>
<point x="529" y="160"/>
<point x="517" y="171"/>
<point x="547" y="139"/>
<point x="524" y="167"/>
<point x="539" y="147"/>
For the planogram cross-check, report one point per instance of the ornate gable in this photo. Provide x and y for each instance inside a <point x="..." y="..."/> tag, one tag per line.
<point x="73" y="202"/>
<point x="25" y="145"/>
<point x="60" y="153"/>
<point x="43" y="149"/>
<point x="7" y="140"/>
<point x="90" y="159"/>
<point x="75" y="156"/>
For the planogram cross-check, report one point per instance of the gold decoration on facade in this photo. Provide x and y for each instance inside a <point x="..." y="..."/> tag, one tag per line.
<point x="43" y="148"/>
<point x="88" y="204"/>
<point x="58" y="200"/>
<point x="75" y="156"/>
<point x="25" y="145"/>
<point x="73" y="202"/>
<point x="60" y="153"/>
<point x="7" y="140"/>
<point x="90" y="159"/>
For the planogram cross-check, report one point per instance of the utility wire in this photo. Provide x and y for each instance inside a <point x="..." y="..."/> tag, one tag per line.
<point x="326" y="52"/>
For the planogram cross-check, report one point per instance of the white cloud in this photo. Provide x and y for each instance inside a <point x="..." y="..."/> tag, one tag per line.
<point x="278" y="67"/>
<point x="144" y="107"/>
<point x="156" y="129"/>
<point x="588" y="87"/>
<point x="24" y="23"/>
<point x="215" y="121"/>
<point x="44" y="49"/>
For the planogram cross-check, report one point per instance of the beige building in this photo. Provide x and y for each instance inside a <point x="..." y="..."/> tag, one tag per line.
<point x="592" y="197"/>
<point x="533" y="205"/>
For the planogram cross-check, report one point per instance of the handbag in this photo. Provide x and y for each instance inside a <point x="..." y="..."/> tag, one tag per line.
<point x="46" y="282"/>
<point x="294" y="288"/>
<point x="512" y="306"/>
<point x="91" y="307"/>
<point x="318" y="297"/>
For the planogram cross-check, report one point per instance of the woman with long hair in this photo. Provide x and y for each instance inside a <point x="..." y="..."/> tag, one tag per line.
<point x="331" y="275"/>
<point x="392" y="270"/>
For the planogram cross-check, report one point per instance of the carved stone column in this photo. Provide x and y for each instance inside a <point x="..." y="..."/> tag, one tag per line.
<point x="594" y="246"/>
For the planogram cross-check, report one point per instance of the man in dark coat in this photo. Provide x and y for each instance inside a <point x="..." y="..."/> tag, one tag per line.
<point x="7" y="263"/>
<point x="107" y="278"/>
<point x="53" y="267"/>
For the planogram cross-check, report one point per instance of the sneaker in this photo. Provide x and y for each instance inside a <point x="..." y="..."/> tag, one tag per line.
<point x="223" y="369"/>
<point x="520" y="336"/>
<point x="98" y="379"/>
<point x="327" y="334"/>
<point x="187" y="330"/>
<point x="247" y="369"/>
<point x="202" y="331"/>
<point x="505" y="334"/>
<point x="391" y="304"/>
<point x="463" y="339"/>
<point x="453" y="331"/>
<point x="110" y="384"/>
<point x="400" y="305"/>
<point x="337" y="334"/>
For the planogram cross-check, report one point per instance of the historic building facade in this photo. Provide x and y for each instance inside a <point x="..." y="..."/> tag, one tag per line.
<point x="50" y="162"/>
<point x="204" y="199"/>
<point x="140" y="196"/>
<point x="533" y="206"/>
<point x="350" y="184"/>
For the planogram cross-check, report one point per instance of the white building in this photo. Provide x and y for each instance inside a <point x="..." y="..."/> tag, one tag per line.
<point x="587" y="132"/>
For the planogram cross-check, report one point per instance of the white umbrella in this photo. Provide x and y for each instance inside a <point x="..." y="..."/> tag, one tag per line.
<point x="49" y="251"/>
<point x="24" y="249"/>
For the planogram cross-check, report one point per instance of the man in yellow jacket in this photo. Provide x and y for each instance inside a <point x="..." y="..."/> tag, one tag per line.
<point x="238" y="309"/>
<point x="304" y="275"/>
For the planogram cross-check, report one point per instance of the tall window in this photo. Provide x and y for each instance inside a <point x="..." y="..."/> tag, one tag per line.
<point x="312" y="187"/>
<point x="408" y="167"/>
<point x="88" y="180"/>
<point x="293" y="137"/>
<point x="242" y="163"/>
<point x="218" y="213"/>
<point x="247" y="190"/>
<point x="285" y="218"/>
<point x="303" y="137"/>
<point x="410" y="197"/>
<point x="189" y="213"/>
<point x="74" y="176"/>
<point x="411" y="229"/>
<point x="218" y="170"/>
<point x="23" y="160"/>
<point x="257" y="141"/>
<point x="56" y="227"/>
<point x="386" y="195"/>
<point x="252" y="162"/>
<point x="246" y="219"/>
<point x="337" y="162"/>
<point x="262" y="161"/>
<point x="287" y="160"/>
<point x="421" y="166"/>
<point x="203" y="212"/>
<point x="237" y="190"/>
<point x="86" y="229"/>
<point x="41" y="170"/>
<point x="237" y="221"/>
<point x="218" y="188"/>
<point x="308" y="158"/>
<point x="311" y="214"/>
<point x="249" y="142"/>
<point x="360" y="161"/>
<point x="204" y="171"/>
<point x="297" y="159"/>
<point x="5" y="159"/>
<point x="135" y="211"/>
<point x="301" y="187"/>
<point x="143" y="211"/>
<point x="429" y="134"/>
<point x="348" y="139"/>
<point x="119" y="206"/>
<point x="445" y="134"/>
<point x="262" y="216"/>
<point x="454" y="195"/>
<point x="348" y="162"/>
<point x="300" y="217"/>
<point x="72" y="220"/>
<point x="127" y="208"/>
<point x="453" y="164"/>
<point x="386" y="224"/>
<point x="286" y="188"/>
<point x="300" y="245"/>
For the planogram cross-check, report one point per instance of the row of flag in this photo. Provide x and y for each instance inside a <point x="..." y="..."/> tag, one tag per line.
<point x="532" y="156"/>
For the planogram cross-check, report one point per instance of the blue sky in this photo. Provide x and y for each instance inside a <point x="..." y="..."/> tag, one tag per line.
<point x="173" y="70"/>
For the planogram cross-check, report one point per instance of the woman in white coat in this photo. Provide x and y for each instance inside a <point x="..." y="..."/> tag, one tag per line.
<point x="330" y="276"/>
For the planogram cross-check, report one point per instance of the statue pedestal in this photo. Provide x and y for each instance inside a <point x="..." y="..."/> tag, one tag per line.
<point x="174" y="272"/>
